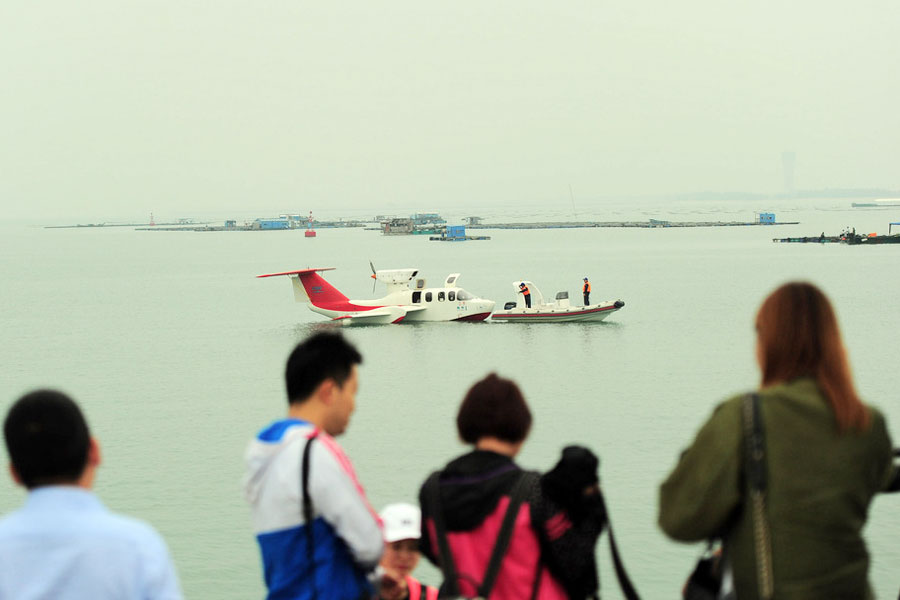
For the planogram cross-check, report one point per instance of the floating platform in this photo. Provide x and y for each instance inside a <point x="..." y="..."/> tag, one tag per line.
<point x="176" y="225"/>
<point x="851" y="239"/>
<point x="829" y="239"/>
<point x="255" y="227"/>
<point x="651" y="224"/>
<point x="463" y="238"/>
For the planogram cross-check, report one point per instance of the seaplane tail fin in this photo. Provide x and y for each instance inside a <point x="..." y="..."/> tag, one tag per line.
<point x="300" y="294"/>
<point x="309" y="286"/>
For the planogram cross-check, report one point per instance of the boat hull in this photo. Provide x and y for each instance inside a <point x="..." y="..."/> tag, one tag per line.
<point x="554" y="314"/>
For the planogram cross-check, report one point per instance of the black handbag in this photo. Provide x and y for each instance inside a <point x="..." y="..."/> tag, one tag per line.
<point x="705" y="582"/>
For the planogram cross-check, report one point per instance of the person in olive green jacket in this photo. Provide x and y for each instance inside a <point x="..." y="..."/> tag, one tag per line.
<point x="826" y="455"/>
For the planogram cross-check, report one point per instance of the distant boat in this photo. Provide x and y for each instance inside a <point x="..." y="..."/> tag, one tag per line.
<point x="884" y="202"/>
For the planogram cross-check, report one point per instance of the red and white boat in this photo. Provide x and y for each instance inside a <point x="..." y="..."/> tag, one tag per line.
<point x="560" y="311"/>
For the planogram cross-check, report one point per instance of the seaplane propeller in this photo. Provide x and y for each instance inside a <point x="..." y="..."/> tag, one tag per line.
<point x="374" y="276"/>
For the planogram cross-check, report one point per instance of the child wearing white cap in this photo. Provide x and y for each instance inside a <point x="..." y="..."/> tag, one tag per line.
<point x="402" y="530"/>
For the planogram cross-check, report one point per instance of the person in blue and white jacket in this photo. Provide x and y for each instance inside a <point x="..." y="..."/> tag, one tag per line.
<point x="347" y="540"/>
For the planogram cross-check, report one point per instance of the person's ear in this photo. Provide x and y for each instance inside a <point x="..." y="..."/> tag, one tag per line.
<point x="326" y="390"/>
<point x="15" y="475"/>
<point x="94" y="457"/>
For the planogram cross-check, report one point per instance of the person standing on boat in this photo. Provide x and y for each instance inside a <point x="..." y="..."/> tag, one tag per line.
<point x="523" y="289"/>
<point x="586" y="290"/>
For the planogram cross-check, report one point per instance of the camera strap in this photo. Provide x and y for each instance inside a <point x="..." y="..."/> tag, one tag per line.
<point x="755" y="459"/>
<point x="621" y="574"/>
<point x="308" y="511"/>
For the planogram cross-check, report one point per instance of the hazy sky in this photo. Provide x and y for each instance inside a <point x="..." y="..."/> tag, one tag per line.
<point x="116" y="108"/>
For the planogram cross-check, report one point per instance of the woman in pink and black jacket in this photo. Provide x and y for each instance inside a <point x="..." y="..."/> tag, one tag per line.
<point x="551" y="551"/>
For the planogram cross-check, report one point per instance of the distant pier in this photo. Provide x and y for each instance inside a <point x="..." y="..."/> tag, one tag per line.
<point x="175" y="225"/>
<point x="651" y="224"/>
<point x="258" y="226"/>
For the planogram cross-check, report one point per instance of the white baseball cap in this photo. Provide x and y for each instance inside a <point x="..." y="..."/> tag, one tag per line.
<point x="401" y="522"/>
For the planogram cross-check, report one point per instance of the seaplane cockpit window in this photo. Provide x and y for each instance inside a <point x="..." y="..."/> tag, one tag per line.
<point x="417" y="297"/>
<point x="463" y="295"/>
<point x="427" y="296"/>
<point x="451" y="296"/>
<point x="440" y="296"/>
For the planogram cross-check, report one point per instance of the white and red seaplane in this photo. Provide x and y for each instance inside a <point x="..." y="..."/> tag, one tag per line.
<point x="407" y="299"/>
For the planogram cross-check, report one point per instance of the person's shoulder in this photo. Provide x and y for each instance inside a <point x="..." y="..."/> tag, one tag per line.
<point x="878" y="424"/>
<point x="876" y="415"/>
<point x="9" y="522"/>
<point x="729" y="407"/>
<point x="327" y="453"/>
<point x="281" y="430"/>
<point x="130" y="528"/>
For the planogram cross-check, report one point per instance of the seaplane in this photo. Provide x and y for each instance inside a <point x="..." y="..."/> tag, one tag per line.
<point x="407" y="299"/>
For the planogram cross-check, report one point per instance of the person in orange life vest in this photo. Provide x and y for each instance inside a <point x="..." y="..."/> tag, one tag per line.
<point x="523" y="289"/>
<point x="402" y="530"/>
<point x="586" y="290"/>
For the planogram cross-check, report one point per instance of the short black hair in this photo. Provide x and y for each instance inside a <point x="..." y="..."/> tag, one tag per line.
<point x="47" y="438"/>
<point x="320" y="357"/>
<point x="493" y="407"/>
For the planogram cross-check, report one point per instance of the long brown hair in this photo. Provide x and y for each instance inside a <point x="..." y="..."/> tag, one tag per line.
<point x="798" y="336"/>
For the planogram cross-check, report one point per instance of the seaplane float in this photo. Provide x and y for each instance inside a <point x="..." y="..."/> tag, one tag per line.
<point x="407" y="299"/>
<point x="559" y="311"/>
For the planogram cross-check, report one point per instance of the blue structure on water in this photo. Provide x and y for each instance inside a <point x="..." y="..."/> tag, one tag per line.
<point x="274" y="223"/>
<point x="456" y="232"/>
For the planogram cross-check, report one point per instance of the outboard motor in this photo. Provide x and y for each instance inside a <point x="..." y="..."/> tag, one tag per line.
<point x="509" y="306"/>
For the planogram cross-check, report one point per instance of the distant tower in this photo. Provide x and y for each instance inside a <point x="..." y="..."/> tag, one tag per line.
<point x="788" y="159"/>
<point x="152" y="223"/>
<point x="310" y="232"/>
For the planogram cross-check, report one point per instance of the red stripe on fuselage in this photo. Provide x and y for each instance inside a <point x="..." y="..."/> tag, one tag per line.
<point x="478" y="317"/>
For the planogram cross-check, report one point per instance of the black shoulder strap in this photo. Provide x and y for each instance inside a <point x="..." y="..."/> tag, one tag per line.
<point x="621" y="575"/>
<point x="517" y="496"/>
<point x="448" y="567"/>
<point x="755" y="464"/>
<point x="308" y="511"/>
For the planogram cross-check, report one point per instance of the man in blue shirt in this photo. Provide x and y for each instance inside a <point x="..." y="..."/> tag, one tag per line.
<point x="63" y="543"/>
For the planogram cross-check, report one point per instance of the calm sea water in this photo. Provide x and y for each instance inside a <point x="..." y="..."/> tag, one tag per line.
<point x="176" y="353"/>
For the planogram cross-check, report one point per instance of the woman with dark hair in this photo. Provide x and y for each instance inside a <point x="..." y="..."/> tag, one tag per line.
<point x="550" y="553"/>
<point x="826" y="454"/>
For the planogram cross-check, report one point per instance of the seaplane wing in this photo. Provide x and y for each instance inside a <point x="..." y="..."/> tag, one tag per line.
<point x="384" y="315"/>
<point x="298" y="272"/>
